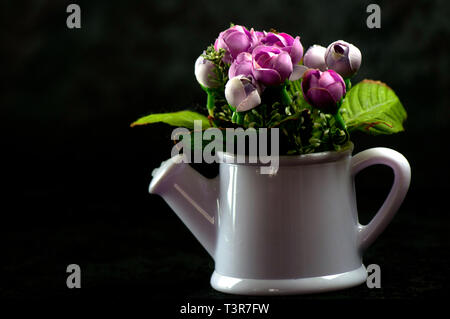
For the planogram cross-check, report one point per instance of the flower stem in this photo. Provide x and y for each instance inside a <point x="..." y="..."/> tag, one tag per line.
<point x="210" y="102"/>
<point x="348" y="84"/>
<point x="340" y="121"/>
<point x="238" y="118"/>
<point x="285" y="97"/>
<point x="341" y="124"/>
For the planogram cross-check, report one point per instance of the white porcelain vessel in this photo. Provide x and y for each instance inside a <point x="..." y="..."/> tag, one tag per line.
<point x="292" y="232"/>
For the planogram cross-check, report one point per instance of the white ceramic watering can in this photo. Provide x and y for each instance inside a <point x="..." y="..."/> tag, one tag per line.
<point x="292" y="232"/>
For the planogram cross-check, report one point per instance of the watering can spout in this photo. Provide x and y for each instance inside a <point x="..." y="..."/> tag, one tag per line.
<point x="191" y="196"/>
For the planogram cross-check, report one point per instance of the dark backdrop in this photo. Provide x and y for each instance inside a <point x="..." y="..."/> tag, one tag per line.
<point x="75" y="175"/>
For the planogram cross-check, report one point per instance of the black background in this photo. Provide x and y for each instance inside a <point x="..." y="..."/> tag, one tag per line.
<point x="75" y="175"/>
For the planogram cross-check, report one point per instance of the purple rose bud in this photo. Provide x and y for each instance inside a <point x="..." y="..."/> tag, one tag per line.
<point x="235" y="40"/>
<point x="323" y="90"/>
<point x="271" y="65"/>
<point x="315" y="58"/>
<point x="242" y="65"/>
<point x="343" y="57"/>
<point x="287" y="43"/>
<point x="241" y="93"/>
<point x="204" y="72"/>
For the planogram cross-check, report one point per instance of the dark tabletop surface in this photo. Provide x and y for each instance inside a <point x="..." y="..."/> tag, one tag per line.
<point x="141" y="249"/>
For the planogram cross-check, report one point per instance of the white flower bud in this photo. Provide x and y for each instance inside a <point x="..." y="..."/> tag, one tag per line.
<point x="204" y="72"/>
<point x="314" y="58"/>
<point x="343" y="57"/>
<point x="242" y="94"/>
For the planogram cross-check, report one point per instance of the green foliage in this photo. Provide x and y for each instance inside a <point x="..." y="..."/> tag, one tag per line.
<point x="221" y="69"/>
<point x="372" y="107"/>
<point x="220" y="112"/>
<point x="182" y="118"/>
<point x="302" y="129"/>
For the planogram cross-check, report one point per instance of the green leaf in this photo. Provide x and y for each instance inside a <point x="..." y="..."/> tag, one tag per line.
<point x="182" y="118"/>
<point x="372" y="107"/>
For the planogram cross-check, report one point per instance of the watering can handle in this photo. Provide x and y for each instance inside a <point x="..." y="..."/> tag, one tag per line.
<point x="402" y="177"/>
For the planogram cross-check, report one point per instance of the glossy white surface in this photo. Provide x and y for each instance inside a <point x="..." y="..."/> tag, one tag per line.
<point x="297" y="228"/>
<point x="261" y="287"/>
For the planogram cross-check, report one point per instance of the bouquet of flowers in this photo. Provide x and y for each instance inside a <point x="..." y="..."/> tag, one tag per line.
<point x="258" y="79"/>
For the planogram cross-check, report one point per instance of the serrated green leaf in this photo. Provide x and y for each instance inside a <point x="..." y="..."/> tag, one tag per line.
<point x="372" y="107"/>
<point x="180" y="119"/>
